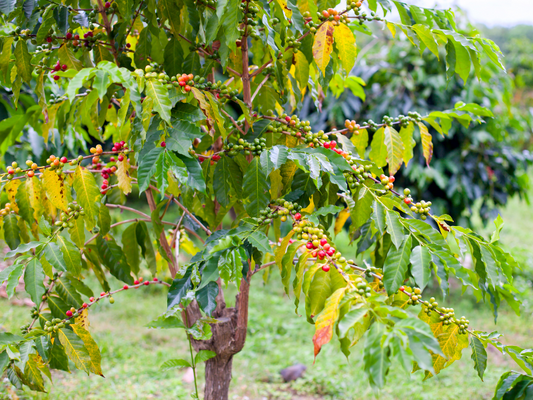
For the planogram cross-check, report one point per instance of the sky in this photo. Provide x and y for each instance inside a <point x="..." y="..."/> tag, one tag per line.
<point x="488" y="12"/>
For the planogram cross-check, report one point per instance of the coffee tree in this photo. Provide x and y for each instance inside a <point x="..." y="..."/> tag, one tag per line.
<point x="194" y="104"/>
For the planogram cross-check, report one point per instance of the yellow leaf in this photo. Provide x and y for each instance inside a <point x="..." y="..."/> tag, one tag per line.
<point x="34" y="191"/>
<point x="280" y="250"/>
<point x="55" y="189"/>
<point x="91" y="346"/>
<point x="75" y="349"/>
<point x="286" y="10"/>
<point x="123" y="175"/>
<point x="83" y="319"/>
<point x="11" y="190"/>
<point x="392" y="28"/>
<point x="450" y="340"/>
<point x="395" y="149"/>
<point x="204" y="106"/>
<point x="427" y="143"/>
<point x="52" y="112"/>
<point x="345" y="42"/>
<point x="323" y="45"/>
<point x="325" y="321"/>
<point x="341" y="220"/>
<point x="87" y="195"/>
<point x="188" y="245"/>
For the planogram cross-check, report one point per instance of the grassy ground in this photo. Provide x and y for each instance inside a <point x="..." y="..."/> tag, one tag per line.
<point x="277" y="338"/>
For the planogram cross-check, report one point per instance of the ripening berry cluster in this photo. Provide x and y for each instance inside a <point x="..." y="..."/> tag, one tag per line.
<point x="65" y="220"/>
<point x="387" y="181"/>
<point x="13" y="169"/>
<point x="352" y="126"/>
<point x="281" y="209"/>
<point x="416" y="297"/>
<point x="328" y="15"/>
<point x="6" y="210"/>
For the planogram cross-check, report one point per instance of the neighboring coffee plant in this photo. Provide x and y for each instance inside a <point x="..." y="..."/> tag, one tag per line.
<point x="191" y="103"/>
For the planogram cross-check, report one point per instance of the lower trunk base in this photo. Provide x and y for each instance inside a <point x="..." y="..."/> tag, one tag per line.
<point x="217" y="378"/>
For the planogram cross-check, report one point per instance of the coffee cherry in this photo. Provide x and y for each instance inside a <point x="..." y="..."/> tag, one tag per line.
<point x="325" y="268"/>
<point x="126" y="287"/>
<point x="68" y="35"/>
<point x="107" y="4"/>
<point x="297" y="216"/>
<point x="69" y="313"/>
<point x="163" y="144"/>
<point x="121" y="157"/>
<point x="85" y="305"/>
<point x="64" y="160"/>
<point x="91" y="299"/>
<point x="111" y="300"/>
<point x="56" y="77"/>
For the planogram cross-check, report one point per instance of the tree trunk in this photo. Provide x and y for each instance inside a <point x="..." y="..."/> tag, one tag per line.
<point x="228" y="337"/>
<point x="217" y="378"/>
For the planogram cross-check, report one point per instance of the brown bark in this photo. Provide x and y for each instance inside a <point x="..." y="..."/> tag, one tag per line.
<point x="228" y="337"/>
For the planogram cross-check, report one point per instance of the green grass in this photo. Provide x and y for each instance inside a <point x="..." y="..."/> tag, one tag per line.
<point x="277" y="338"/>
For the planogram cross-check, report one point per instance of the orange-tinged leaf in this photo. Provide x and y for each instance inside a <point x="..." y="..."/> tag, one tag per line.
<point x="326" y="320"/>
<point x="427" y="142"/>
<point x="450" y="340"/>
<point x="341" y="220"/>
<point x="345" y="43"/>
<point x="204" y="106"/>
<point x="55" y="189"/>
<point x="123" y="175"/>
<point x="323" y="45"/>
<point x="395" y="149"/>
<point x="11" y="190"/>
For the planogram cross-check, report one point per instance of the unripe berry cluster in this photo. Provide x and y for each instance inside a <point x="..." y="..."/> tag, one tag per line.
<point x="362" y="287"/>
<point x="74" y="210"/>
<point x="250" y="19"/>
<point x="221" y="91"/>
<point x="255" y="148"/>
<point x="55" y="324"/>
<point x="13" y="169"/>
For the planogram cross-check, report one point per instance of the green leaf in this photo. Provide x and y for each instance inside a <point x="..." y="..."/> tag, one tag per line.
<point x="57" y="357"/>
<point x="406" y="133"/>
<point x="204" y="355"/>
<point x="13" y="279"/>
<point x="164" y="322"/>
<point x="23" y="248"/>
<point x="159" y="94"/>
<point x="479" y="356"/>
<point x="206" y="297"/>
<point x="130" y="242"/>
<point x="32" y="373"/>
<point x="77" y="233"/>
<point x="260" y="241"/>
<point x="71" y="255"/>
<point x="351" y="319"/>
<point x="102" y="80"/>
<point x="227" y="180"/>
<point x="75" y="349"/>
<point x="379" y="216"/>
<point x="255" y="187"/>
<point x="24" y="204"/>
<point x="147" y="167"/>
<point x="87" y="195"/>
<point x="113" y="258"/>
<point x="104" y="219"/>
<point x="179" y="289"/>
<point x="363" y="207"/>
<point x="323" y="285"/>
<point x="394" y="228"/>
<point x="395" y="267"/>
<point x="68" y="293"/>
<point x="173" y="364"/>
<point x="421" y="267"/>
<point x="8" y="338"/>
<point x="53" y="255"/>
<point x="33" y="281"/>
<point x="92" y="348"/>
<point x="11" y="231"/>
<point x="23" y="61"/>
<point x="426" y="36"/>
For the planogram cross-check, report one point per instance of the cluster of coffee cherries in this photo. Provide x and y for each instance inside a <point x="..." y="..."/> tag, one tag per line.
<point x="387" y="181"/>
<point x="255" y="148"/>
<point x="65" y="220"/>
<point x="55" y="324"/>
<point x="291" y="41"/>
<point x="423" y="208"/>
<point x="416" y="296"/>
<point x="352" y="126"/>
<point x="280" y="209"/>
<point x="362" y="287"/>
<point x="327" y="15"/>
<point x="250" y="21"/>
<point x="221" y="91"/>
<point x="13" y="170"/>
<point x="6" y="210"/>
<point x="57" y="163"/>
<point x="211" y="3"/>
<point x="360" y="173"/>
<point x="56" y="68"/>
